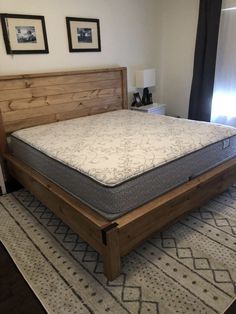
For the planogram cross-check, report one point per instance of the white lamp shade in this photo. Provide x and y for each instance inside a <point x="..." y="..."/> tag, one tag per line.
<point x="145" y="78"/>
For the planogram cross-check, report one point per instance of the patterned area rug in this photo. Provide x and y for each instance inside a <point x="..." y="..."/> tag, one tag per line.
<point x="188" y="268"/>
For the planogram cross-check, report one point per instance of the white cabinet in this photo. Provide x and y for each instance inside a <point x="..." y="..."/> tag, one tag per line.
<point x="152" y="109"/>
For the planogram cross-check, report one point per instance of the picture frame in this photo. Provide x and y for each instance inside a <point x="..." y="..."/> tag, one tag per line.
<point x="24" y="34"/>
<point x="137" y="102"/>
<point x="83" y="34"/>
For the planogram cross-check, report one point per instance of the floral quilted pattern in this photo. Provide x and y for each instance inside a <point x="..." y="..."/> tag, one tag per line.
<point x="116" y="146"/>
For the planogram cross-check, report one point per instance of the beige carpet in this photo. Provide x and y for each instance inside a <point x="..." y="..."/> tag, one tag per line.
<point x="188" y="268"/>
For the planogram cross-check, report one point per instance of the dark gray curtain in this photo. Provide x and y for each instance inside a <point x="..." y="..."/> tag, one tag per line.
<point x="205" y="60"/>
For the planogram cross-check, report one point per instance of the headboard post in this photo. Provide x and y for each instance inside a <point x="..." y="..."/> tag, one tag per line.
<point x="3" y="138"/>
<point x="124" y="89"/>
<point x="3" y="148"/>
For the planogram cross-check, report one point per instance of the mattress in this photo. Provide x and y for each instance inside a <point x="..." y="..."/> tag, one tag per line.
<point x="117" y="161"/>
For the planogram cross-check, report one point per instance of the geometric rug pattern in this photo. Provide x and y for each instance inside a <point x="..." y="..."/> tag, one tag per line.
<point x="190" y="267"/>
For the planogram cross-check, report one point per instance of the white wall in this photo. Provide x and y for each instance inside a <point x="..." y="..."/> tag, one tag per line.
<point x="127" y="28"/>
<point x="134" y="33"/>
<point x="175" y="61"/>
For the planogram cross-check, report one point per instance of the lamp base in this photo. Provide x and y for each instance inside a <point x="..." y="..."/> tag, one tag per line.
<point x="147" y="97"/>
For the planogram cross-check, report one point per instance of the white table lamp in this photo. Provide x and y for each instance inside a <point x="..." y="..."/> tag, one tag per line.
<point x="144" y="79"/>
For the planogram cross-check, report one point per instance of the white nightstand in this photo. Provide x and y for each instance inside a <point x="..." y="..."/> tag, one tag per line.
<point x="152" y="109"/>
<point x="2" y="181"/>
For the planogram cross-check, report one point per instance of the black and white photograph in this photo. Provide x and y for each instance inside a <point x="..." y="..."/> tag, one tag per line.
<point x="24" y="34"/>
<point x="83" y="34"/>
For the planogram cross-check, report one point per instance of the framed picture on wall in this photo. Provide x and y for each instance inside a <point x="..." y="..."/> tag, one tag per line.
<point x="83" y="34"/>
<point x="24" y="34"/>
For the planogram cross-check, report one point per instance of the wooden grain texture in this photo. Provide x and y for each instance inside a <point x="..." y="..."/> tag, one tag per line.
<point x="22" y="83"/>
<point x="34" y="92"/>
<point x="2" y="178"/>
<point x="30" y="103"/>
<point x="25" y="123"/>
<point x="124" y="89"/>
<point x="79" y="217"/>
<point x="111" y="256"/>
<point x="167" y="208"/>
<point x="62" y="73"/>
<point x="34" y="99"/>
<point x="73" y="111"/>
<point x="37" y="103"/>
<point x="3" y="139"/>
<point x="132" y="228"/>
<point x="58" y="108"/>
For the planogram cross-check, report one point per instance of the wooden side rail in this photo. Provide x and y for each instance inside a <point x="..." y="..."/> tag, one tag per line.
<point x="113" y="239"/>
<point x="78" y="216"/>
<point x="139" y="224"/>
<point x="101" y="234"/>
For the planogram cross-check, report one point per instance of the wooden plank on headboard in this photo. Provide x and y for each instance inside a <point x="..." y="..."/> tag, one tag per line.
<point x="33" y="99"/>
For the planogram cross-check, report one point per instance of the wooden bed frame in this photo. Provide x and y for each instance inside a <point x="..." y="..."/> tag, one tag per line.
<point x="28" y="100"/>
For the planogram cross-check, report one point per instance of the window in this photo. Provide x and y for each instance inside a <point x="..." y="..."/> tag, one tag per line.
<point x="224" y="96"/>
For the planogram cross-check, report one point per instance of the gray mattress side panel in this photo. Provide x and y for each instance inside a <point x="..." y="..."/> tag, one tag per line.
<point x="112" y="202"/>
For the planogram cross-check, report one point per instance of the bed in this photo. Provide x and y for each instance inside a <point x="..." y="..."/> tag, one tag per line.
<point x="91" y="200"/>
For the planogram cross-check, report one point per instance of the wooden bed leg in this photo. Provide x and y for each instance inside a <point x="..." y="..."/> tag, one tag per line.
<point x="111" y="257"/>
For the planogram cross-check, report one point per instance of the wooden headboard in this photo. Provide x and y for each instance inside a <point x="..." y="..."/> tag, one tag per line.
<point x="33" y="99"/>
